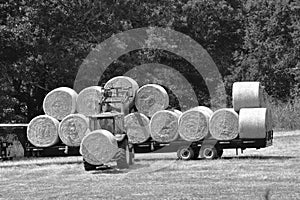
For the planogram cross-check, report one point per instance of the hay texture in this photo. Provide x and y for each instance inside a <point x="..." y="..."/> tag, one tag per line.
<point x="60" y="102"/>
<point x="130" y="86"/>
<point x="247" y="95"/>
<point x="204" y="108"/>
<point x="254" y="123"/>
<point x="137" y="127"/>
<point x="73" y="128"/>
<point x="151" y="98"/>
<point x="164" y="126"/>
<point x="42" y="131"/>
<point x="223" y="124"/>
<point x="193" y="124"/>
<point x="88" y="100"/>
<point x="98" y="147"/>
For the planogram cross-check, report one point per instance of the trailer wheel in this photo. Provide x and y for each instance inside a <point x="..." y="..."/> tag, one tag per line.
<point x="185" y="153"/>
<point x="88" y="167"/>
<point x="208" y="152"/>
<point x="124" y="158"/>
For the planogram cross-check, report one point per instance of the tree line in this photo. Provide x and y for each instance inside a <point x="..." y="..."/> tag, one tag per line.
<point x="43" y="43"/>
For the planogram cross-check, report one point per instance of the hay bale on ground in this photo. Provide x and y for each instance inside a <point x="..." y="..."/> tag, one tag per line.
<point x="223" y="124"/>
<point x="42" y="131"/>
<point x="254" y="122"/>
<point x="137" y="126"/>
<point x="247" y="95"/>
<point x="164" y="126"/>
<point x="193" y="124"/>
<point x="73" y="128"/>
<point x="122" y="82"/>
<point x="98" y="147"/>
<point x="151" y="98"/>
<point x="60" y="102"/>
<point x="88" y="100"/>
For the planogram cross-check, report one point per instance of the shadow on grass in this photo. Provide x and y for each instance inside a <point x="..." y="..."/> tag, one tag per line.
<point x="259" y="157"/>
<point x="40" y="164"/>
<point x="107" y="169"/>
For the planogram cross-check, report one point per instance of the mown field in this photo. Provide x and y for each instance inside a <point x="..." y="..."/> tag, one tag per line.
<point x="270" y="173"/>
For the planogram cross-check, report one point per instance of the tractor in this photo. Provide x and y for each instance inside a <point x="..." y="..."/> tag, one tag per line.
<point x="112" y="120"/>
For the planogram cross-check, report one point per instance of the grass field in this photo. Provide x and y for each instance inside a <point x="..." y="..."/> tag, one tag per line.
<point x="270" y="173"/>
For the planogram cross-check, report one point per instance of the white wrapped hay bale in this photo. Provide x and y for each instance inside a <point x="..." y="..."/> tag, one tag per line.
<point x="42" y="131"/>
<point x="193" y="124"/>
<point x="60" y="102"/>
<point x="73" y="128"/>
<point x="224" y="124"/>
<point x="128" y="84"/>
<point x="254" y="123"/>
<point x="164" y="126"/>
<point x="247" y="95"/>
<point x="151" y="98"/>
<point x="137" y="126"/>
<point x="98" y="147"/>
<point x="88" y="100"/>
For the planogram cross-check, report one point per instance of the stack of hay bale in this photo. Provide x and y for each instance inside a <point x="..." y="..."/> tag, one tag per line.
<point x="66" y="117"/>
<point x="248" y="119"/>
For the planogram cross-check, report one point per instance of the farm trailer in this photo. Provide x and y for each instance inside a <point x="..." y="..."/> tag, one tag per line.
<point x="18" y="132"/>
<point x="208" y="148"/>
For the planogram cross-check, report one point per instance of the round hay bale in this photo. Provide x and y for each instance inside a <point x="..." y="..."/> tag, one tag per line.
<point x="204" y="108"/>
<point x="224" y="124"/>
<point x="60" y="102"/>
<point x="151" y="98"/>
<point x="88" y="100"/>
<point x="177" y="112"/>
<point x="42" y="131"/>
<point x="164" y="126"/>
<point x="98" y="147"/>
<point x="254" y="123"/>
<point x="73" y="128"/>
<point x="122" y="82"/>
<point x="247" y="95"/>
<point x="137" y="126"/>
<point x="193" y="124"/>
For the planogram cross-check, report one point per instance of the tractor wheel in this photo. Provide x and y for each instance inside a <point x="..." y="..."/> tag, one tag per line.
<point x="124" y="158"/>
<point x="88" y="167"/>
<point x="185" y="153"/>
<point x="208" y="152"/>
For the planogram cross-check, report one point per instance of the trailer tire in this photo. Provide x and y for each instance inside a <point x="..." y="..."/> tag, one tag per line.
<point x="88" y="167"/>
<point x="124" y="157"/>
<point x="208" y="152"/>
<point x="185" y="153"/>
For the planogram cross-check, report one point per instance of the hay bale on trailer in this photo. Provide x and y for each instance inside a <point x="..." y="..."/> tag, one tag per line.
<point x="42" y="131"/>
<point x="193" y="124"/>
<point x="88" y="100"/>
<point x="164" y="126"/>
<point x="254" y="123"/>
<point x="223" y="124"/>
<point x="127" y="84"/>
<point x="98" y="147"/>
<point x="73" y="128"/>
<point x="247" y="95"/>
<point x="151" y="98"/>
<point x="137" y="126"/>
<point x="60" y="102"/>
